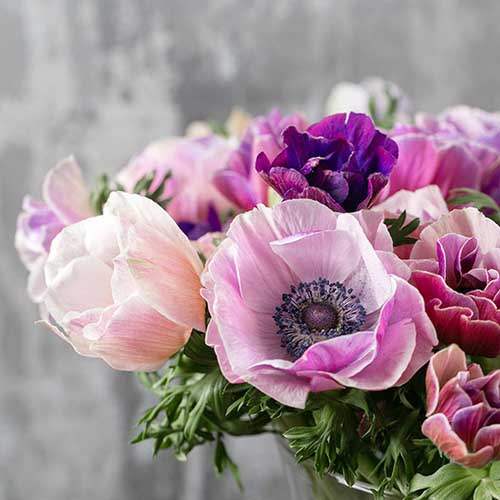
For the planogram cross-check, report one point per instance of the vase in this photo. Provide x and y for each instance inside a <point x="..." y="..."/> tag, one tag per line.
<point x="304" y="484"/>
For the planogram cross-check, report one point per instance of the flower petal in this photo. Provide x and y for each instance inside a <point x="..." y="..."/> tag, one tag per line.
<point x="65" y="192"/>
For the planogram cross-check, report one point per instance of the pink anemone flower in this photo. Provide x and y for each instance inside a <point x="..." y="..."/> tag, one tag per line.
<point x="301" y="301"/>
<point x="456" y="267"/>
<point x="463" y="409"/>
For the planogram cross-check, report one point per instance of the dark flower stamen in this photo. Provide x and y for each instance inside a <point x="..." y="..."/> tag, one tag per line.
<point x="316" y="311"/>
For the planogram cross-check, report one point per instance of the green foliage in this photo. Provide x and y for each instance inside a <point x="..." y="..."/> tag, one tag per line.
<point x="104" y="187"/>
<point x="372" y="437"/>
<point x="197" y="405"/>
<point x="400" y="233"/>
<point x="473" y="198"/>
<point x="455" y="482"/>
<point x="329" y="439"/>
<point x="218" y="128"/>
<point x="387" y="120"/>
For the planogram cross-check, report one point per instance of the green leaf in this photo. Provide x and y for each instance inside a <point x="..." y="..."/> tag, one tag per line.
<point x="104" y="187"/>
<point x="222" y="461"/>
<point x="495" y="471"/>
<point x="198" y="351"/>
<point x="399" y="231"/>
<point x="474" y="198"/>
<point x="218" y="128"/>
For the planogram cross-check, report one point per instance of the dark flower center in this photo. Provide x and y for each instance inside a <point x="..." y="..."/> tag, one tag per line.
<point x="318" y="316"/>
<point x="315" y="311"/>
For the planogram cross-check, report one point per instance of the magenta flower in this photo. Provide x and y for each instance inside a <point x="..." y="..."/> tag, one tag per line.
<point x="457" y="149"/>
<point x="66" y="200"/>
<point x="463" y="409"/>
<point x="456" y="266"/>
<point x="239" y="182"/>
<point x="301" y="301"/>
<point x="193" y="164"/>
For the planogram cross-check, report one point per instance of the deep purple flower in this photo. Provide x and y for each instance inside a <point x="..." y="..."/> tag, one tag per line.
<point x="342" y="164"/>
<point x="212" y="224"/>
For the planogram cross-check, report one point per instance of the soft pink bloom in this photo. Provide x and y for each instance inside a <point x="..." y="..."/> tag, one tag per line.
<point x="124" y="286"/>
<point x="301" y="301"/>
<point x="427" y="204"/>
<point x="463" y="409"/>
<point x="208" y="243"/>
<point x="239" y="181"/>
<point x="65" y="200"/>
<point x="456" y="267"/>
<point x="454" y="150"/>
<point x="193" y="163"/>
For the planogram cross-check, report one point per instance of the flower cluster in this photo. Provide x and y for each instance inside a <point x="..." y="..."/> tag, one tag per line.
<point x="292" y="269"/>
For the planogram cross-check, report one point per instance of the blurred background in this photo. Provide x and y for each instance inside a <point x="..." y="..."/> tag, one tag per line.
<point x="102" y="78"/>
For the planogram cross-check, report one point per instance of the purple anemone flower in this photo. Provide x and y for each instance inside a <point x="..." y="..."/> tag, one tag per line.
<point x="342" y="162"/>
<point x="211" y="224"/>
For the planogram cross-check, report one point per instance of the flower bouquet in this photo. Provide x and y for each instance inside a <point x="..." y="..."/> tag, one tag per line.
<point x="335" y="283"/>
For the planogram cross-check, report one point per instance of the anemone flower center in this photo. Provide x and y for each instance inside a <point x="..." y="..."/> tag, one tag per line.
<point x="318" y="316"/>
<point x="315" y="311"/>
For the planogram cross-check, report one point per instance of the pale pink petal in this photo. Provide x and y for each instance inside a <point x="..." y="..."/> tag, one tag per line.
<point x="90" y="237"/>
<point x="163" y="262"/>
<point x="374" y="228"/>
<point x="137" y="338"/>
<point x="36" y="280"/>
<point x="82" y="284"/>
<point x="394" y="265"/>
<point x="65" y="192"/>
<point x="443" y="366"/>
<point x="467" y="222"/>
<point x="263" y="276"/>
<point x="79" y="343"/>
<point x="426" y="203"/>
<point x="324" y="254"/>
<point x="214" y="340"/>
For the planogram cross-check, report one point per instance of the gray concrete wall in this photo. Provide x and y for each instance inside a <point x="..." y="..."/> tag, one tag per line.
<point x="100" y="78"/>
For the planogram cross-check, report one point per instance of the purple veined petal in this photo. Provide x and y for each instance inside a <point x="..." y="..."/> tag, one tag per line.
<point x="333" y="183"/>
<point x="466" y="422"/>
<point x="454" y="252"/>
<point x="262" y="163"/>
<point x="488" y="437"/>
<point x="331" y="127"/>
<point x="439" y="431"/>
<point x="360" y="130"/>
<point x="301" y="146"/>
<point x="284" y="180"/>
<point x="452" y="397"/>
<point x="316" y="194"/>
